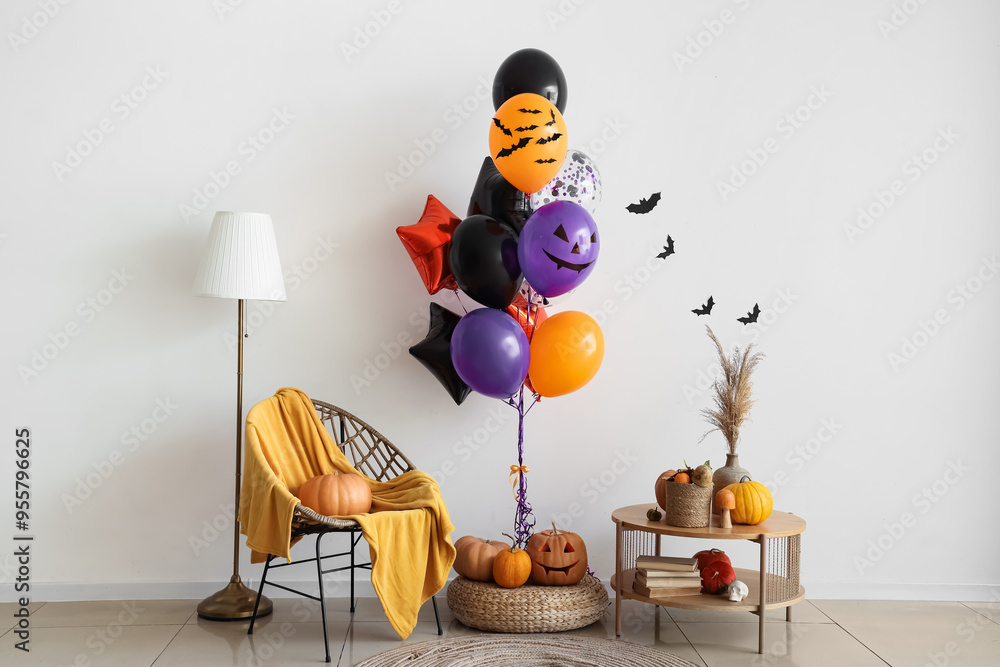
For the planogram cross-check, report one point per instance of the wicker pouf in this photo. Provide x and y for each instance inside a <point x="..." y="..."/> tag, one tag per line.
<point x="528" y="608"/>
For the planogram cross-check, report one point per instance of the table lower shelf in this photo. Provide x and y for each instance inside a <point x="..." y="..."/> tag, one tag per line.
<point x="706" y="601"/>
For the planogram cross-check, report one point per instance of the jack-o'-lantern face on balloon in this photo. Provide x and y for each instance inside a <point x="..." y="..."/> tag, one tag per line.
<point x="528" y="141"/>
<point x="558" y="247"/>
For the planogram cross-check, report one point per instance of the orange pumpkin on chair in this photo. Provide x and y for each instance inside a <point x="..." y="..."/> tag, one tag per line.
<point x="336" y="495"/>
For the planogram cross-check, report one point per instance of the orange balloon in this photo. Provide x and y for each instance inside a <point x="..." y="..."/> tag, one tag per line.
<point x="528" y="141"/>
<point x="566" y="353"/>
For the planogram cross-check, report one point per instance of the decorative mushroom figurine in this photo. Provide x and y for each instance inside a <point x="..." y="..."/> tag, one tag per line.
<point x="725" y="500"/>
<point x="738" y="591"/>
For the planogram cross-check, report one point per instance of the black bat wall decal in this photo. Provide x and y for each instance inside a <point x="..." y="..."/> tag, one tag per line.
<point x="545" y="161"/>
<point x="644" y="205"/>
<point x="751" y="316"/>
<point x="496" y="121"/>
<point x="505" y="152"/>
<point x="553" y="121"/>
<point x="530" y="110"/>
<point x="545" y="140"/>
<point x="706" y="309"/>
<point x="667" y="249"/>
<point x="529" y="128"/>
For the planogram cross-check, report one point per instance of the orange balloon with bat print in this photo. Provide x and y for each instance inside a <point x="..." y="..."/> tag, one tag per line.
<point x="528" y="141"/>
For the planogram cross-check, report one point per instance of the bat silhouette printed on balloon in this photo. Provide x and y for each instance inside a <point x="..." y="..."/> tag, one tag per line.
<point x="667" y="249"/>
<point x="508" y="151"/>
<point x="706" y="309"/>
<point x="644" y="205"/>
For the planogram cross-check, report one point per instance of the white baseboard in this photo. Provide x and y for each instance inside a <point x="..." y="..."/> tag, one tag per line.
<point x="898" y="591"/>
<point x="179" y="590"/>
<point x="338" y="587"/>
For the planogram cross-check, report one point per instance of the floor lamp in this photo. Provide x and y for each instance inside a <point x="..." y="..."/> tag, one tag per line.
<point x="240" y="262"/>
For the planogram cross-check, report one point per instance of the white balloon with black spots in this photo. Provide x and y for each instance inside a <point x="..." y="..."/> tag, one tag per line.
<point x="578" y="181"/>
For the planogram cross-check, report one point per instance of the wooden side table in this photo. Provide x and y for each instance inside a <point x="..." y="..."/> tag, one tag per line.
<point x="774" y="585"/>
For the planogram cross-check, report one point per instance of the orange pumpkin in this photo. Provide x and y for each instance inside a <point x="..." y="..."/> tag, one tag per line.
<point x="474" y="557"/>
<point x="511" y="567"/>
<point x="682" y="478"/>
<point x="336" y="495"/>
<point x="558" y="557"/>
<point x="706" y="557"/>
<point x="661" y="488"/>
<point x="716" y="577"/>
<point x="528" y="141"/>
<point x="753" y="501"/>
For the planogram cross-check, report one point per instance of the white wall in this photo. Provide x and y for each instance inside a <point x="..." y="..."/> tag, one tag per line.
<point x="835" y="307"/>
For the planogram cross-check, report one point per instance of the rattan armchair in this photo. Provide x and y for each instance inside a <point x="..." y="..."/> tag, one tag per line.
<point x="371" y="454"/>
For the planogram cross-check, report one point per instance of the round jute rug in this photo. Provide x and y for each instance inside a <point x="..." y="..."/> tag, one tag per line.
<point x="524" y="651"/>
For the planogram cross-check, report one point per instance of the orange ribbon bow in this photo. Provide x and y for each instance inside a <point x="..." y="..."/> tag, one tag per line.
<point x="515" y="476"/>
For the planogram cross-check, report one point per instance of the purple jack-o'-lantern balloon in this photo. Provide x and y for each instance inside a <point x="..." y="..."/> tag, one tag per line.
<point x="558" y="247"/>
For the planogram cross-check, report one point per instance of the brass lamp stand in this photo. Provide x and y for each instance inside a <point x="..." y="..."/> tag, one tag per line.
<point x="235" y="601"/>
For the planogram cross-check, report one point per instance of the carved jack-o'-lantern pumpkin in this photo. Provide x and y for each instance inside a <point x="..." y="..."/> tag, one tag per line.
<point x="558" y="247"/>
<point x="528" y="141"/>
<point x="558" y="557"/>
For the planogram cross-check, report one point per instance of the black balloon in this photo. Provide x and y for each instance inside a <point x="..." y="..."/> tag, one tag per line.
<point x="495" y="197"/>
<point x="530" y="71"/>
<point x="483" y="259"/>
<point x="434" y="352"/>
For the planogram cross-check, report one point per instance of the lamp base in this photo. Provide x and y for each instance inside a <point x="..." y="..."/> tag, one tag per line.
<point x="233" y="603"/>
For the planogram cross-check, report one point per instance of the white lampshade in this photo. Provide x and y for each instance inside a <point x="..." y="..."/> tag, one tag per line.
<point x="241" y="259"/>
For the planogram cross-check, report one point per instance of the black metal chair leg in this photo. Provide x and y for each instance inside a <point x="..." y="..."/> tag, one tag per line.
<point x="322" y="599"/>
<point x="260" y="592"/>
<point x="353" y="544"/>
<point x="436" y="617"/>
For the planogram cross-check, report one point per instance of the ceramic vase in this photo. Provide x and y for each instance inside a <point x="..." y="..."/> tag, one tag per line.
<point x="731" y="473"/>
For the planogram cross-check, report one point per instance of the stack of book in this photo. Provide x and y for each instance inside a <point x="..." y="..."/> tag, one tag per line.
<point x="666" y="576"/>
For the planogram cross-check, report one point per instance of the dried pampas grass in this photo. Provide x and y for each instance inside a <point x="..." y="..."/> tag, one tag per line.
<point x="732" y="392"/>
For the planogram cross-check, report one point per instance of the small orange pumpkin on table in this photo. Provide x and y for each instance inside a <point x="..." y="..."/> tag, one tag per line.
<point x="661" y="488"/>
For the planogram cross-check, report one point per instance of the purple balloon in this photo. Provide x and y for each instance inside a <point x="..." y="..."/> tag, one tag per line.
<point x="558" y="247"/>
<point x="490" y="352"/>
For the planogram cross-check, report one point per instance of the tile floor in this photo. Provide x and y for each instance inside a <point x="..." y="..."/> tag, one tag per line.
<point x="167" y="633"/>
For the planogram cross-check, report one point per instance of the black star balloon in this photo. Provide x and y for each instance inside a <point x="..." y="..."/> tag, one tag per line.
<point x="495" y="197"/>
<point x="434" y="352"/>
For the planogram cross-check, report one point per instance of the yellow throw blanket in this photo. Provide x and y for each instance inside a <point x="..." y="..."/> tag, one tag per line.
<point x="408" y="530"/>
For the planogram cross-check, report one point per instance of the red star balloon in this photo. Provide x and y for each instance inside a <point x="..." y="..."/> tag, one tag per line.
<point x="529" y="318"/>
<point x="428" y="243"/>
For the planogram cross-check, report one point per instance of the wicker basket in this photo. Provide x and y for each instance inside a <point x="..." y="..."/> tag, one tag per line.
<point x="528" y="608"/>
<point x="688" y="505"/>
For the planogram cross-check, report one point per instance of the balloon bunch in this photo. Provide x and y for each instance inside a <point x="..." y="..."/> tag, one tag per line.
<point x="528" y="237"/>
